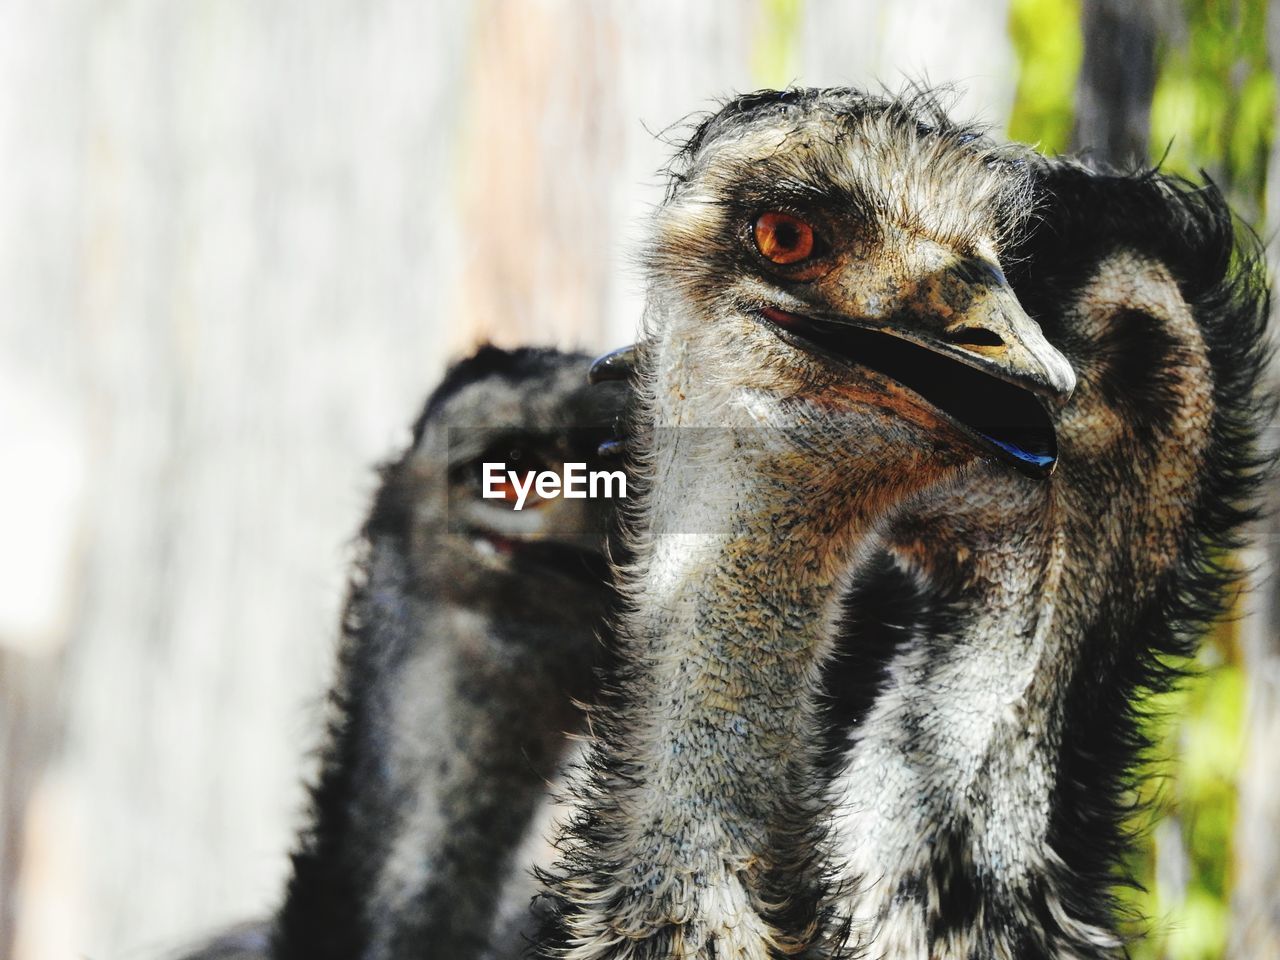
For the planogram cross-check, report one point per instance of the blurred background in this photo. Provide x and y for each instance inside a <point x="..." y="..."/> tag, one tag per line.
<point x="240" y="240"/>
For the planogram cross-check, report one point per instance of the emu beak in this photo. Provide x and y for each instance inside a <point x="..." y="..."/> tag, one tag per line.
<point x="617" y="365"/>
<point x="997" y="335"/>
<point x="963" y="343"/>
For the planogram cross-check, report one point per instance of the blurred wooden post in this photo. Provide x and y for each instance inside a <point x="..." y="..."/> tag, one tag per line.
<point x="1117" y="81"/>
<point x="28" y="729"/>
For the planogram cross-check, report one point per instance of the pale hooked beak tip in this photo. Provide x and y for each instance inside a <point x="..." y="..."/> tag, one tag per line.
<point x="1057" y="378"/>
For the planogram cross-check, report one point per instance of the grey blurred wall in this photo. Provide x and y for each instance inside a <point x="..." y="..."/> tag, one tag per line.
<point x="238" y="242"/>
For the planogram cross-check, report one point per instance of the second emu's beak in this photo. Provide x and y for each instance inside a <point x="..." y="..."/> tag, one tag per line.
<point x="616" y="365"/>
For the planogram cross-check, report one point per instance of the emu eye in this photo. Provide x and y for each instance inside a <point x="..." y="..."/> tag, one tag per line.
<point x="509" y="494"/>
<point x="782" y="238"/>
<point x="514" y="457"/>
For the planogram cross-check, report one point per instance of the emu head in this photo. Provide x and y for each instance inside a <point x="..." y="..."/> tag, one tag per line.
<point x="531" y="410"/>
<point x="831" y="261"/>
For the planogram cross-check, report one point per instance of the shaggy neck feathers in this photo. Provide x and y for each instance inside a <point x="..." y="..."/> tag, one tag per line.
<point x="698" y="831"/>
<point x="979" y="796"/>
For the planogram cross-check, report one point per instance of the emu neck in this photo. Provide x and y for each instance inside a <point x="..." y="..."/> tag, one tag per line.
<point x="734" y="626"/>
<point x="703" y="823"/>
<point x="946" y="797"/>
<point x="700" y="829"/>
<point x="450" y="723"/>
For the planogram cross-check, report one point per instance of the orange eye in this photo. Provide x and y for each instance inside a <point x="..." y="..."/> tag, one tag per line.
<point x="525" y="464"/>
<point x="510" y="494"/>
<point x="507" y="492"/>
<point x="782" y="238"/>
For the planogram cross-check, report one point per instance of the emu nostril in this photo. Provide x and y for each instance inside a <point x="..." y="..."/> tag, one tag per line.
<point x="975" y="337"/>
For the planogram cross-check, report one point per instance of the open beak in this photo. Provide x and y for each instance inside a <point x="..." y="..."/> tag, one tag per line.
<point x="967" y="348"/>
<point x="986" y="366"/>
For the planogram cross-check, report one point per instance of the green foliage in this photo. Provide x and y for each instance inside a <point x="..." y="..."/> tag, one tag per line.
<point x="1047" y="39"/>
<point x="1187" y="798"/>
<point x="1213" y="110"/>
<point x="1214" y="105"/>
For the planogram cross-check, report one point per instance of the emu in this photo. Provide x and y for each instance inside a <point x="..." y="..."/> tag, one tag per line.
<point x="980" y="720"/>
<point x="829" y="337"/>
<point x="983" y="712"/>
<point x="468" y="632"/>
